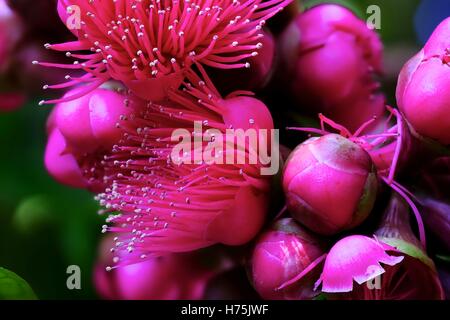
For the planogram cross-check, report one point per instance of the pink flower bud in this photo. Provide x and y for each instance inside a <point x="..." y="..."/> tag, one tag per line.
<point x="88" y="128"/>
<point x="330" y="184"/>
<point x="154" y="279"/>
<point x="91" y="122"/>
<point x="422" y="91"/>
<point x="246" y="217"/>
<point x="329" y="61"/>
<point x="62" y="166"/>
<point x="282" y="253"/>
<point x="243" y="112"/>
<point x="170" y="277"/>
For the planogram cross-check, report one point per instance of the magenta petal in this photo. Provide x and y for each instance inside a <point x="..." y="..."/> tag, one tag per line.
<point x="62" y="167"/>
<point x="354" y="258"/>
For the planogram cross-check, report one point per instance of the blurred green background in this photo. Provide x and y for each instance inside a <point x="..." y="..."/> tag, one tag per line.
<point x="45" y="227"/>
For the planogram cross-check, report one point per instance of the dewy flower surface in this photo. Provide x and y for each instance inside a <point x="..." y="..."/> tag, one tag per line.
<point x="150" y="43"/>
<point x="157" y="206"/>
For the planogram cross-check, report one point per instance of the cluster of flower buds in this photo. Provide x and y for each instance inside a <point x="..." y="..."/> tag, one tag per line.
<point x="330" y="60"/>
<point x="145" y="71"/>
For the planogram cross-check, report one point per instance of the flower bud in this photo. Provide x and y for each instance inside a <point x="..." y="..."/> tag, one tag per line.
<point x="280" y="254"/>
<point x="92" y="121"/>
<point x="329" y="60"/>
<point x="330" y="184"/>
<point x="422" y="91"/>
<point x="168" y="277"/>
<point x="62" y="166"/>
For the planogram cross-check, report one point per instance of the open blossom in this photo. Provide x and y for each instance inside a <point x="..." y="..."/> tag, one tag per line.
<point x="329" y="60"/>
<point x="422" y="90"/>
<point x="157" y="205"/>
<point x="151" y="43"/>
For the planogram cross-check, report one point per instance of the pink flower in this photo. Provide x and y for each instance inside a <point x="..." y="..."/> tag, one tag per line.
<point x="172" y="277"/>
<point x="280" y="254"/>
<point x="157" y="205"/>
<point x="387" y="148"/>
<point x="329" y="61"/>
<point x="422" y="91"/>
<point x="354" y="258"/>
<point x="80" y="132"/>
<point x="330" y="184"/>
<point x="415" y="278"/>
<point x="152" y="43"/>
<point x="411" y="279"/>
<point x="63" y="167"/>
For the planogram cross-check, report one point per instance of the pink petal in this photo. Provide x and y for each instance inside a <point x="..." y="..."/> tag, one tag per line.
<point x="354" y="258"/>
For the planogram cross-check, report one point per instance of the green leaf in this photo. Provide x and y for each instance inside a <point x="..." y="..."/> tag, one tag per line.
<point x="13" y="287"/>
<point x="409" y="249"/>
